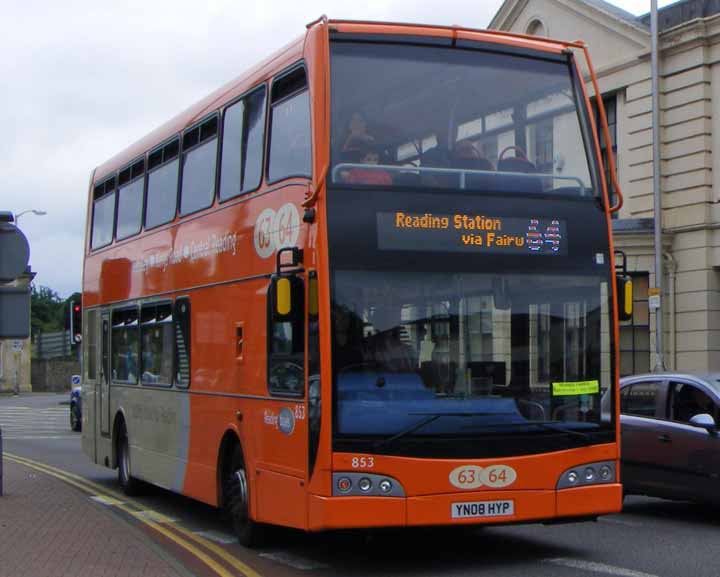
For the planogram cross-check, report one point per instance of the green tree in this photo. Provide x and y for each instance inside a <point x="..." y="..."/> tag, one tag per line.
<point x="47" y="310"/>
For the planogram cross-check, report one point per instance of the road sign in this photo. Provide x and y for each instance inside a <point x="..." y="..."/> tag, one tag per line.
<point x="15" y="252"/>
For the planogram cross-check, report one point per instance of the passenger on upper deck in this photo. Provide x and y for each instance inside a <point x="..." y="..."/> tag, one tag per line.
<point x="466" y="155"/>
<point x="357" y="132"/>
<point x="368" y="153"/>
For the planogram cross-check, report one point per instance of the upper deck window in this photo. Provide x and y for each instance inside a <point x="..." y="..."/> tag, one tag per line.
<point x="103" y="213"/>
<point x="163" y="165"/>
<point x="242" y="145"/>
<point x="131" y="185"/>
<point x="290" y="134"/>
<point x="452" y="118"/>
<point x="199" y="166"/>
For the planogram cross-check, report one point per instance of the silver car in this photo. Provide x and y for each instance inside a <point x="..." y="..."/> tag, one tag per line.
<point x="670" y="440"/>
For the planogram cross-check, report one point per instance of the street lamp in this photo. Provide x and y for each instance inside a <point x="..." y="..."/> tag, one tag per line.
<point x="35" y="212"/>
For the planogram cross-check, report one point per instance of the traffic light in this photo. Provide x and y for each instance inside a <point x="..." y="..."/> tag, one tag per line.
<point x="75" y="315"/>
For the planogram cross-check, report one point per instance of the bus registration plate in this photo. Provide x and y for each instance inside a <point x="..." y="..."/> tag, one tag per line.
<point x="482" y="509"/>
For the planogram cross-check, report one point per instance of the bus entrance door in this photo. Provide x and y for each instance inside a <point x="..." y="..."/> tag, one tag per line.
<point x="103" y="397"/>
<point x="283" y="447"/>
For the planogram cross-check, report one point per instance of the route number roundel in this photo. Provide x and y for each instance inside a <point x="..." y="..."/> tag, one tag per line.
<point x="467" y="477"/>
<point x="275" y="230"/>
<point x="499" y="476"/>
<point x="472" y="476"/>
<point x="263" y="233"/>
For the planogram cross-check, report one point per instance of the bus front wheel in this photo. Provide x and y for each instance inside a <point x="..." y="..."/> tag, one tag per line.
<point x="237" y="499"/>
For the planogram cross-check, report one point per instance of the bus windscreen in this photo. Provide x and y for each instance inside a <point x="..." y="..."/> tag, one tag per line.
<point x="449" y="118"/>
<point x="423" y="356"/>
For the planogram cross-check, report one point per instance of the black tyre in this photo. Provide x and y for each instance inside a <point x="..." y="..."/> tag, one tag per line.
<point x="75" y="419"/>
<point x="237" y="498"/>
<point x="129" y="484"/>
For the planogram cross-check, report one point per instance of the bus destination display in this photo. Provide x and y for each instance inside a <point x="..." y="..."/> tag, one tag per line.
<point x="468" y="232"/>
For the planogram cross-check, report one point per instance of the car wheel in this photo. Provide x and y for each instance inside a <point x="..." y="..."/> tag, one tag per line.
<point x="237" y="499"/>
<point x="75" y="420"/>
<point x="129" y="484"/>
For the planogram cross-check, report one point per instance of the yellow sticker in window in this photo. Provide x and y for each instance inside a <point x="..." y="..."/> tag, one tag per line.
<point x="575" y="388"/>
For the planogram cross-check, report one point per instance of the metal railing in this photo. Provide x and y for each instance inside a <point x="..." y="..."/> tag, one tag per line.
<point x="52" y="345"/>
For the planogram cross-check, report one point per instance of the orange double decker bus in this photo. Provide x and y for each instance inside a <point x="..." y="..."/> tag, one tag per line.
<point x="369" y="283"/>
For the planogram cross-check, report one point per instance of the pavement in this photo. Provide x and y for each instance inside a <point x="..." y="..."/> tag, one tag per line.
<point x="50" y="528"/>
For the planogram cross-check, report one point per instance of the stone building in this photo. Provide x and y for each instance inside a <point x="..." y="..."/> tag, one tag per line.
<point x="15" y="355"/>
<point x="689" y="70"/>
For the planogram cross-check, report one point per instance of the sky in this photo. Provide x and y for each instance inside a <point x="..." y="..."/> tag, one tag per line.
<point x="83" y="79"/>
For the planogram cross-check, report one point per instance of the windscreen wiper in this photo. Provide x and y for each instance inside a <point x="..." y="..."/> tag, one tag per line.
<point x="429" y="418"/>
<point x="547" y="425"/>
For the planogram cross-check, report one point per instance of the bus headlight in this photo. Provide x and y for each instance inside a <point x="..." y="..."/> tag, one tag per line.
<point x="589" y="475"/>
<point x="605" y="472"/>
<point x="385" y="486"/>
<point x="592" y="474"/>
<point x="365" y="484"/>
<point x="344" y="485"/>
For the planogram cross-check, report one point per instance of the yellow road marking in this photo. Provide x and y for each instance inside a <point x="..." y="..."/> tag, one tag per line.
<point x="85" y="485"/>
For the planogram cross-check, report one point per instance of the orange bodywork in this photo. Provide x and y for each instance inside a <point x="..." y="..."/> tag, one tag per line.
<point x="228" y="392"/>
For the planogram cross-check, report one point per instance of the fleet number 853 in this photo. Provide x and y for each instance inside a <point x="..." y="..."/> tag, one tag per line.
<point x="362" y="462"/>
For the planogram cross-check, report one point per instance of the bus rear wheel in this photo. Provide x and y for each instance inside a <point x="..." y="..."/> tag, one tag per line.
<point x="129" y="484"/>
<point x="237" y="501"/>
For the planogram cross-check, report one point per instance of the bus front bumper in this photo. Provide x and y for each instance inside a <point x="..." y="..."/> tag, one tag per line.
<point x="488" y="507"/>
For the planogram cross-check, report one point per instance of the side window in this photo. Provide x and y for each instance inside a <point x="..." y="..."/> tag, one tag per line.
<point x="686" y="401"/>
<point x="286" y="340"/>
<point x="242" y="145"/>
<point x="131" y="186"/>
<point x="290" y="136"/>
<point x="156" y="339"/>
<point x="103" y="213"/>
<point x="90" y="339"/>
<point x="162" y="184"/>
<point x="124" y="348"/>
<point x="181" y="322"/>
<point x="641" y="399"/>
<point x="199" y="166"/>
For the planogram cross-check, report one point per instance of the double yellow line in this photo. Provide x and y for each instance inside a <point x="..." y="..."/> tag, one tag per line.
<point x="178" y="535"/>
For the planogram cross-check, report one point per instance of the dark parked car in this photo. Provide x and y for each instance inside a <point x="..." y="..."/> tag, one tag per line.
<point x="670" y="440"/>
<point x="76" y="409"/>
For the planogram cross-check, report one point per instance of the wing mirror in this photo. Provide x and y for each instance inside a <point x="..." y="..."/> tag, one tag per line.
<point x="704" y="421"/>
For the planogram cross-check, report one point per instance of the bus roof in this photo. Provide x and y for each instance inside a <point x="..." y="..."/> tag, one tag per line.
<point x="290" y="53"/>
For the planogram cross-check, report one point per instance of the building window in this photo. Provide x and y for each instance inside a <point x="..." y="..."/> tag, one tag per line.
<point x="635" y="333"/>
<point x="536" y="28"/>
<point x="610" y="102"/>
<point x="544" y="153"/>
